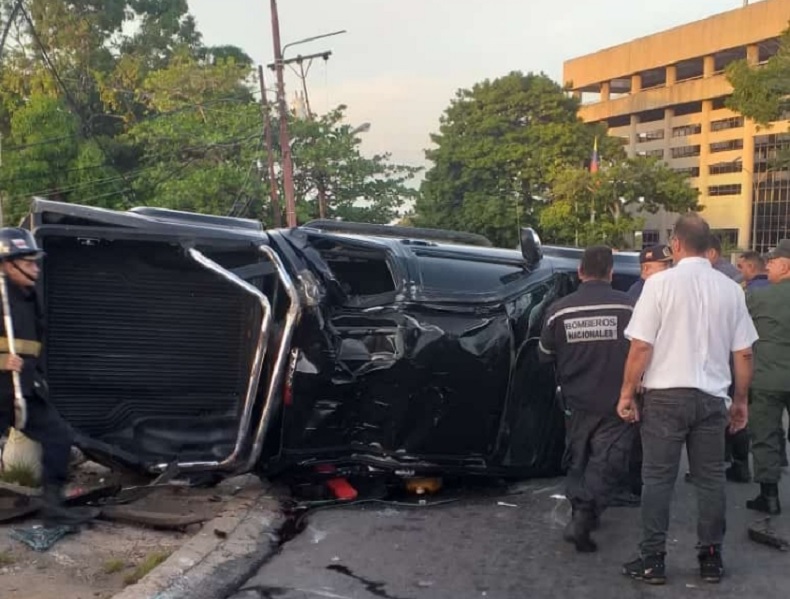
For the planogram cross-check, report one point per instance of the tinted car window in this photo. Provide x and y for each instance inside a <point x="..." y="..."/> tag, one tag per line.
<point x="623" y="282"/>
<point x="450" y="274"/>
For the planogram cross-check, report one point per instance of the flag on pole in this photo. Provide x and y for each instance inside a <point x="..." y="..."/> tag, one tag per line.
<point x="595" y="159"/>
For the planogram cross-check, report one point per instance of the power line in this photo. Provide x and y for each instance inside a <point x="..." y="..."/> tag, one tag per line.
<point x="7" y="29"/>
<point x="76" y="186"/>
<point x="69" y="98"/>
<point x="138" y="122"/>
<point x="253" y="166"/>
<point x="137" y="172"/>
<point x="207" y="146"/>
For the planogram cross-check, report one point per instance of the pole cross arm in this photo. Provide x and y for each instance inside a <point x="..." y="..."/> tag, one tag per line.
<point x="298" y="59"/>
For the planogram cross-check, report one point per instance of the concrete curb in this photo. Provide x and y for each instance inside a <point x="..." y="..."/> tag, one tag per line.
<point x="217" y="560"/>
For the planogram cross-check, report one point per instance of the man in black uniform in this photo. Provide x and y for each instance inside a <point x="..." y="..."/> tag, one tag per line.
<point x="584" y="335"/>
<point x="19" y="259"/>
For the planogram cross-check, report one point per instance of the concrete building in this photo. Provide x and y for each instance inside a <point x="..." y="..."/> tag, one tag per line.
<point x="664" y="95"/>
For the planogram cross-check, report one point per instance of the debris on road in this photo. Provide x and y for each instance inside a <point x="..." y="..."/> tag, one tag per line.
<point x="39" y="538"/>
<point x="139" y="527"/>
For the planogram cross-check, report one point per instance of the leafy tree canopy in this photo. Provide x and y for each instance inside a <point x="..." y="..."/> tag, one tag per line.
<point x="762" y="92"/>
<point x="498" y="146"/>
<point x="118" y="102"/>
<point x="607" y="206"/>
<point x="512" y="152"/>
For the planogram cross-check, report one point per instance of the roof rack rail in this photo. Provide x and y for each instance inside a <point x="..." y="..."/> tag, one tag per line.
<point x="399" y="232"/>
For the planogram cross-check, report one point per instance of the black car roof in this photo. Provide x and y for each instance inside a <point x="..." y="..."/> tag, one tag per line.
<point x="556" y="258"/>
<point x="401" y="241"/>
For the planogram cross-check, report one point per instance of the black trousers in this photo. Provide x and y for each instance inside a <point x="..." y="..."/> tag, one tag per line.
<point x="737" y="446"/>
<point x="670" y="419"/>
<point x="45" y="426"/>
<point x="598" y="455"/>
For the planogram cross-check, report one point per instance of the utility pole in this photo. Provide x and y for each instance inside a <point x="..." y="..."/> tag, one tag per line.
<point x="267" y="127"/>
<point x="323" y="204"/>
<point x="285" y="142"/>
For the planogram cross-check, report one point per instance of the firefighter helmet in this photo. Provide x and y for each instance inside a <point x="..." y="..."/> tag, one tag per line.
<point x="16" y="243"/>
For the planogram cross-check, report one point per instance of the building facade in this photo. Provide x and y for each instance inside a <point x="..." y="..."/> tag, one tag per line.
<point x="665" y="94"/>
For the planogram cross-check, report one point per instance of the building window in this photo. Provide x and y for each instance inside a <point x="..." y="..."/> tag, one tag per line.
<point x="650" y="136"/>
<point x="771" y="213"/>
<point x="691" y="171"/>
<point x="724" y="190"/>
<point x="724" y="124"/>
<point x="719" y="103"/>
<point x="724" y="146"/>
<point x="686" y="130"/>
<point x="728" y="238"/>
<point x="685" y="151"/>
<point x="651" y="154"/>
<point x="722" y="168"/>
<point x="649" y="237"/>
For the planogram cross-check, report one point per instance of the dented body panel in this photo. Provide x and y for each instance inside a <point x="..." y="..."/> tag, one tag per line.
<point x="223" y="347"/>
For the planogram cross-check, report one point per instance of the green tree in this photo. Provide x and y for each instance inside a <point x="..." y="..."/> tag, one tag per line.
<point x="607" y="206"/>
<point x="327" y="157"/>
<point x="762" y="92"/>
<point x="498" y="147"/>
<point x="151" y="116"/>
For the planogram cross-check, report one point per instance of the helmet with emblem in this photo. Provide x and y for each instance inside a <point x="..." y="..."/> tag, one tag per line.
<point x="17" y="243"/>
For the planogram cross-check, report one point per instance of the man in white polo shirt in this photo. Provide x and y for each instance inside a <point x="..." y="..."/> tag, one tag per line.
<point x="687" y="323"/>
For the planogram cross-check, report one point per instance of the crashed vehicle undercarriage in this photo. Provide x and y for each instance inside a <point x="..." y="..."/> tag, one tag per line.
<point x="211" y="343"/>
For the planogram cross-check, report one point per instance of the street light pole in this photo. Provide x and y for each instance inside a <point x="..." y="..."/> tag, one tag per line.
<point x="285" y="143"/>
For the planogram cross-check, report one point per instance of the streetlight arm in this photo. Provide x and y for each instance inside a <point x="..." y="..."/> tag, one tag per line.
<point x="311" y="39"/>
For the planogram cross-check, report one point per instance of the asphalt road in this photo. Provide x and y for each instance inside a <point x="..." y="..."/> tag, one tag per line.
<point x="477" y="548"/>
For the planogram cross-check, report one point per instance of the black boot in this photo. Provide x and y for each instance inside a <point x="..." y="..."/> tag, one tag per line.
<point x="767" y="501"/>
<point x="578" y="531"/>
<point x="54" y="512"/>
<point x="738" y="472"/>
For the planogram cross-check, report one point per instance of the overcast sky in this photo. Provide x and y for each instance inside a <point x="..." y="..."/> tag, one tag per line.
<point x="402" y="60"/>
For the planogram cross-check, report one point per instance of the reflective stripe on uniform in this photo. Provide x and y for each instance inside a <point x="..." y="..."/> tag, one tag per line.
<point x="544" y="350"/>
<point x="591" y="308"/>
<point x="24" y="347"/>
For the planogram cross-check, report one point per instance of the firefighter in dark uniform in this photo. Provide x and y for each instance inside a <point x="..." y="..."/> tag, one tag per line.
<point x="19" y="259"/>
<point x="584" y="336"/>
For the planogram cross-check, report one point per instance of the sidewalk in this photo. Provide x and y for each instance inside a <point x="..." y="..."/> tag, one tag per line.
<point x="114" y="559"/>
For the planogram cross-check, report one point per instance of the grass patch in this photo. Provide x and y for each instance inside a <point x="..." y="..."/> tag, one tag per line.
<point x="6" y="559"/>
<point x="151" y="561"/>
<point x="113" y="566"/>
<point x="20" y="474"/>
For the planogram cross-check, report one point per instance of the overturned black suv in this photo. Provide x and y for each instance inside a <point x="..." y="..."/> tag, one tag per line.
<point x="210" y="343"/>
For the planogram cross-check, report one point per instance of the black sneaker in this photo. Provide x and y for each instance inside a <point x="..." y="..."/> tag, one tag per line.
<point x="649" y="569"/>
<point x="711" y="566"/>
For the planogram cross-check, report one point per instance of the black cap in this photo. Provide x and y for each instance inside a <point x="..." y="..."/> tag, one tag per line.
<point x="780" y="251"/>
<point x="655" y="253"/>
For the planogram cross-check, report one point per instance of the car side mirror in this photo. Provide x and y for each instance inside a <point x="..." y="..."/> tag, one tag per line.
<point x="531" y="248"/>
